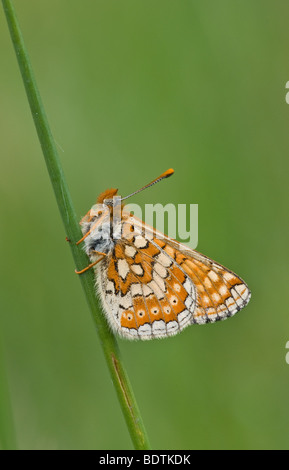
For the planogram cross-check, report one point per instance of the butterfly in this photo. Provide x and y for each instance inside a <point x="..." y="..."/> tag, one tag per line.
<point x="150" y="285"/>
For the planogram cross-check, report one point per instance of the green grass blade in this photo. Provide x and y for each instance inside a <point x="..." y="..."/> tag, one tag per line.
<point x="108" y="342"/>
<point x="7" y="432"/>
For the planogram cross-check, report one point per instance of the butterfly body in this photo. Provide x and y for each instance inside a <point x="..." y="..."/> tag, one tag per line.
<point x="150" y="285"/>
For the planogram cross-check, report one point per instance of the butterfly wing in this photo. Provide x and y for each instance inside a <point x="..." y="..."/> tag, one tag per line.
<point x="153" y="287"/>
<point x="145" y="294"/>
<point x="220" y="293"/>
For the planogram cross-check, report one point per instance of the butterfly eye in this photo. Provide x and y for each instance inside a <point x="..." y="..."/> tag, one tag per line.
<point x="99" y="213"/>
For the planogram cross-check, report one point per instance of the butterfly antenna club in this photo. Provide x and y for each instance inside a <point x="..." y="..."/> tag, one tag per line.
<point x="164" y="175"/>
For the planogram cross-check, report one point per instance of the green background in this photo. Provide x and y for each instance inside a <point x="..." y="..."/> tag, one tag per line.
<point x="132" y="88"/>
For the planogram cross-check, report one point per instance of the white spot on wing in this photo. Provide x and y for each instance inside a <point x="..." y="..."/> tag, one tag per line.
<point x="146" y="290"/>
<point x="242" y="290"/>
<point x="140" y="242"/>
<point x="129" y="332"/>
<point x="130" y="251"/>
<point x="216" y="298"/>
<point x="136" y="289"/>
<point x="206" y="300"/>
<point x="159" y="327"/>
<point x="213" y="276"/>
<point x="188" y="286"/>
<point x="123" y="268"/>
<point x="172" y="326"/>
<point x="137" y="269"/>
<point x="157" y="291"/>
<point x="110" y="286"/>
<point x="230" y="303"/>
<point x="223" y="290"/>
<point x="160" y="270"/>
<point x="222" y="311"/>
<point x="125" y="302"/>
<point x="164" y="259"/>
<point x="159" y="281"/>
<point x="189" y="302"/>
<point x="228" y="276"/>
<point x="145" y="330"/>
<point x="237" y="298"/>
<point x="184" y="318"/>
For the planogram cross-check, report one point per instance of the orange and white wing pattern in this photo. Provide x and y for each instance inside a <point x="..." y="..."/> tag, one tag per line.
<point x="220" y="293"/>
<point x="146" y="294"/>
<point x="154" y="288"/>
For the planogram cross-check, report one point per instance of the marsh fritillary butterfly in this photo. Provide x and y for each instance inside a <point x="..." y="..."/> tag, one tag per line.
<point x="150" y="285"/>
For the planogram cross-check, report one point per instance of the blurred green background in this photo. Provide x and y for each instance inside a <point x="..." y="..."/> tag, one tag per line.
<point x="131" y="89"/>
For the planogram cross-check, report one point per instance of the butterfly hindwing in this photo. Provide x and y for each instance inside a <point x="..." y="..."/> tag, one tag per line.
<point x="146" y="293"/>
<point x="152" y="286"/>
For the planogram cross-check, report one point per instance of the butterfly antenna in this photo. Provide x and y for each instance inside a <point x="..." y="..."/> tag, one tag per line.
<point x="164" y="175"/>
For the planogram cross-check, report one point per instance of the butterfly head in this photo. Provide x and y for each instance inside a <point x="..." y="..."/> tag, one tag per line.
<point x="104" y="199"/>
<point x="107" y="196"/>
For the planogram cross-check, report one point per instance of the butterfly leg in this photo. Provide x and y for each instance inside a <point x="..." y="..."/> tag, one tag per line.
<point x="92" y="264"/>
<point x="87" y="233"/>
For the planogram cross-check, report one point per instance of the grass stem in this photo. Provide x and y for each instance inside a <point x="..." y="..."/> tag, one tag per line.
<point x="108" y="342"/>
